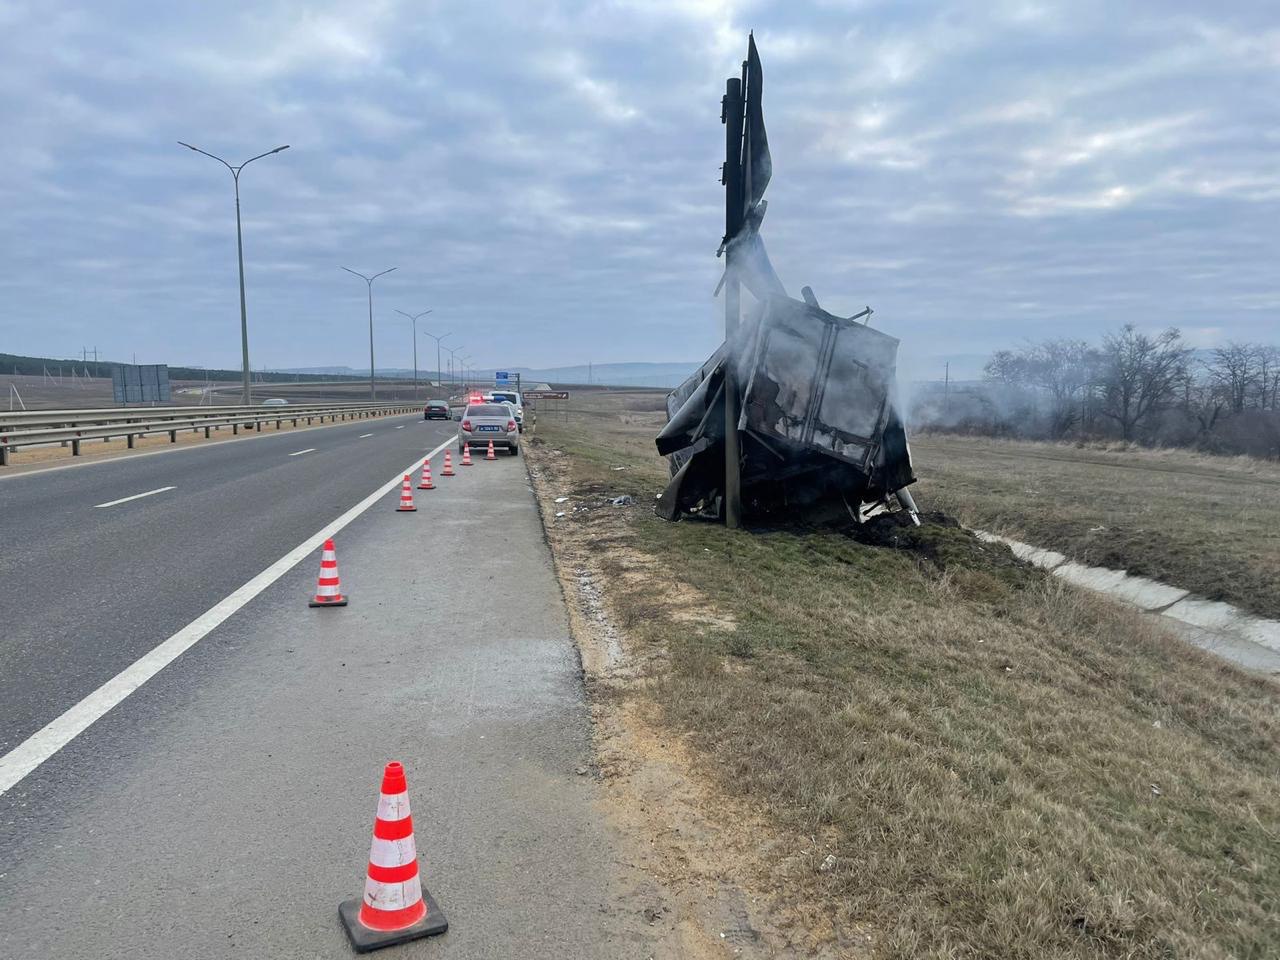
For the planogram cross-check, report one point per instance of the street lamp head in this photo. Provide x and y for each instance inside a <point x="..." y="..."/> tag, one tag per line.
<point x="278" y="149"/>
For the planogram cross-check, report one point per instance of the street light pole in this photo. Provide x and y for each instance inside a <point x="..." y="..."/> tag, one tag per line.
<point x="246" y="397"/>
<point x="373" y="391"/>
<point x="439" y="372"/>
<point x="414" y="320"/>
<point x="453" y="363"/>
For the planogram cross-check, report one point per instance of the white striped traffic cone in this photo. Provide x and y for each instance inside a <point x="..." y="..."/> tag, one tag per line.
<point x="328" y="585"/>
<point x="448" y="465"/>
<point x="425" y="483"/>
<point x="466" y="455"/>
<point x="489" y="455"/>
<point x="395" y="908"/>
<point x="406" y="496"/>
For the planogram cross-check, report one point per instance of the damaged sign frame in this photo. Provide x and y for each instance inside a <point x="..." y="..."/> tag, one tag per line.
<point x="795" y="415"/>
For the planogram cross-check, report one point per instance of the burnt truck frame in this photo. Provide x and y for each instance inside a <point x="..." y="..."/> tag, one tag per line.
<point x="819" y="426"/>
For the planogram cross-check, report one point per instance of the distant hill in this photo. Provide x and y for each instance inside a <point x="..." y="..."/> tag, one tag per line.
<point x="609" y="374"/>
<point x="36" y="366"/>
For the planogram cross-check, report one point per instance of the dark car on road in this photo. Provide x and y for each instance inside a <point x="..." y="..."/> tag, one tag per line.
<point x="436" y="410"/>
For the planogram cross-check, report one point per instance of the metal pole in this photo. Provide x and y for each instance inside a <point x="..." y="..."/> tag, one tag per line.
<point x="733" y="200"/>
<point x="246" y="391"/>
<point x="415" y="318"/>
<point x="373" y="390"/>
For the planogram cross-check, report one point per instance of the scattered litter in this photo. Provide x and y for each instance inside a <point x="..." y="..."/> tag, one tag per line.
<point x="561" y="499"/>
<point x="623" y="501"/>
<point x="1156" y="791"/>
<point x="1157" y="724"/>
<point x="828" y="864"/>
<point x="559" y="514"/>
<point x="1097" y="529"/>
<point x="617" y="468"/>
<point x="581" y="771"/>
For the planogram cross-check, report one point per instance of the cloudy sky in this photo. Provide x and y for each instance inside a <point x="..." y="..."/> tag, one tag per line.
<point x="545" y="175"/>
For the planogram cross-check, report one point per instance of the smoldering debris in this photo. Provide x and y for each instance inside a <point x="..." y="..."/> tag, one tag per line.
<point x="820" y="437"/>
<point x="809" y="397"/>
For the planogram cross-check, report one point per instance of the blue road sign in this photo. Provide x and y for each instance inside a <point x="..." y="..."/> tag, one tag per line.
<point x="502" y="375"/>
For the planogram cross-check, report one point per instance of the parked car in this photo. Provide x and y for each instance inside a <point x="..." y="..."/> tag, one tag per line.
<point x="275" y="402"/>
<point x="482" y="422"/>
<point x="513" y="398"/>
<point x="436" y="410"/>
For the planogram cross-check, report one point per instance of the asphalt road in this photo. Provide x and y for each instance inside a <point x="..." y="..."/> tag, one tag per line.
<point x="224" y="809"/>
<point x="86" y="590"/>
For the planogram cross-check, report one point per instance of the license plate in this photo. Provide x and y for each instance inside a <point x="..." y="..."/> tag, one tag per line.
<point x="487" y="429"/>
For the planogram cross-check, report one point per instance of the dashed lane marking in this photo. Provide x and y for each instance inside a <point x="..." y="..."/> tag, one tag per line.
<point x="298" y="453"/>
<point x="56" y="734"/>
<point x="136" y="496"/>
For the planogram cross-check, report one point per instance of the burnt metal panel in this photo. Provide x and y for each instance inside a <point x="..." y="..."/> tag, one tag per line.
<point x="819" y="381"/>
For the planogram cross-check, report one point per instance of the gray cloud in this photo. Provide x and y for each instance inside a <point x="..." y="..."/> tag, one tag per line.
<point x="545" y="176"/>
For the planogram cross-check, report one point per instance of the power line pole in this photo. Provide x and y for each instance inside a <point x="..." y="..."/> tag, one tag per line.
<point x="946" y="381"/>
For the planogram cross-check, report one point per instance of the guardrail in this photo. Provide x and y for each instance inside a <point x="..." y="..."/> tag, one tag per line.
<point x="23" y="428"/>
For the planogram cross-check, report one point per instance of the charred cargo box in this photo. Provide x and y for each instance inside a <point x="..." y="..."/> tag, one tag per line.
<point x="819" y="429"/>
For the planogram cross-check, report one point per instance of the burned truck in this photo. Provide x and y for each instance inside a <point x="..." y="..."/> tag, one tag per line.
<point x="820" y="436"/>
<point x="795" y="417"/>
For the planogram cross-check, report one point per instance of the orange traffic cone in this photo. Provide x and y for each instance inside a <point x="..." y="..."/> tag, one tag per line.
<point x="395" y="908"/>
<point x="328" y="587"/>
<point x="425" y="483"/>
<point x="466" y="454"/>
<point x="448" y="465"/>
<point x="406" y="496"/>
<point x="489" y="455"/>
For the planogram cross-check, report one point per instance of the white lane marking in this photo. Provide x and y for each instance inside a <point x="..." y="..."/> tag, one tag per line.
<point x="136" y="496"/>
<point x="299" y="453"/>
<point x="363" y="435"/>
<point x="401" y="427"/>
<point x="56" y="734"/>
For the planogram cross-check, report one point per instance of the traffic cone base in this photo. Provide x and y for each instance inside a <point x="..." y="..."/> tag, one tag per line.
<point x="365" y="938"/>
<point x="338" y="601"/>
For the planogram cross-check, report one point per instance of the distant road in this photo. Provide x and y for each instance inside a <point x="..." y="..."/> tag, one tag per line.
<point x="100" y="563"/>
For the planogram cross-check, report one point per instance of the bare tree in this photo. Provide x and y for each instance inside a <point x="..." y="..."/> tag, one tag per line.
<point x="1139" y="375"/>
<point x="1232" y="370"/>
<point x="1267" y="366"/>
<point x="1060" y="370"/>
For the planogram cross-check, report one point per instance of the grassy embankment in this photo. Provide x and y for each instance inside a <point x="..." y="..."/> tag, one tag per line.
<point x="1002" y="766"/>
<point x="1208" y="524"/>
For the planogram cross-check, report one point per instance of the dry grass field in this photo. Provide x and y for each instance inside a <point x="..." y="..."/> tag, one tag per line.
<point x="983" y="762"/>
<point x="1208" y="524"/>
